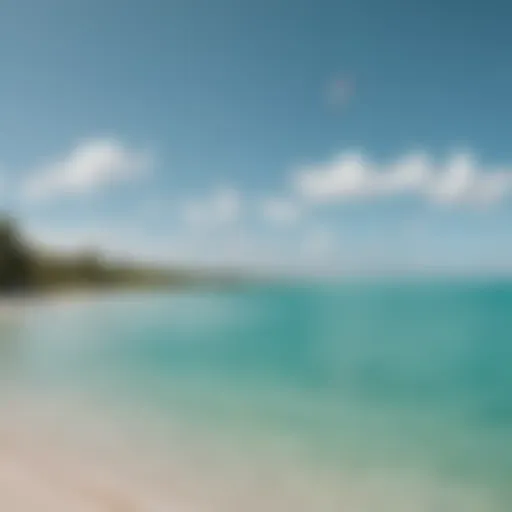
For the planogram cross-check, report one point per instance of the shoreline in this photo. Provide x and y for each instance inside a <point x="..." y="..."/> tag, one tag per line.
<point x="82" y="458"/>
<point x="16" y="302"/>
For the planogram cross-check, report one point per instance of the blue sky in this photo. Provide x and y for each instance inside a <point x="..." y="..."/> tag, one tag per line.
<point x="351" y="135"/>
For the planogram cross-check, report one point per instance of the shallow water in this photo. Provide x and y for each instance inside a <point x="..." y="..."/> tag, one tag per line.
<point x="356" y="397"/>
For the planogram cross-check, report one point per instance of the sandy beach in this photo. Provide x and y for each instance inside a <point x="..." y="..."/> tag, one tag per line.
<point x="86" y="424"/>
<point x="44" y="466"/>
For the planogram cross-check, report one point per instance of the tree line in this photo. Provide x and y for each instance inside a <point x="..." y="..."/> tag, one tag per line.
<point x="23" y="268"/>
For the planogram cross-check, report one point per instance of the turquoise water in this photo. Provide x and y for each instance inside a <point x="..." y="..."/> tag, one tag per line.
<point x="410" y="378"/>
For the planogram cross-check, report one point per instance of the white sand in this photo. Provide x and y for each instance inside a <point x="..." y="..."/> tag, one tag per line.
<point x="69" y="456"/>
<point x="110" y="468"/>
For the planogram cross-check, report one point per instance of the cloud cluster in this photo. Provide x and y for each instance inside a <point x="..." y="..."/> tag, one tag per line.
<point x="3" y="184"/>
<point x="318" y="244"/>
<point x="280" y="211"/>
<point x="221" y="207"/>
<point x="212" y="227"/>
<point x="352" y="176"/>
<point x="92" y="165"/>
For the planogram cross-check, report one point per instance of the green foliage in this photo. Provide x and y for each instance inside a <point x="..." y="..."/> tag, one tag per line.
<point x="24" y="269"/>
<point x="15" y="259"/>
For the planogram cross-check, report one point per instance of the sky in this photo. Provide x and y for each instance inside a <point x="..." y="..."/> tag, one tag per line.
<point x="353" y="136"/>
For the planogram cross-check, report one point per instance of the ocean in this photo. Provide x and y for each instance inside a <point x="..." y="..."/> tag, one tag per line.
<point x="355" y="396"/>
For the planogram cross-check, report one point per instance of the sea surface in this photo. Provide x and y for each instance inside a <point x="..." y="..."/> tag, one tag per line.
<point x="356" y="396"/>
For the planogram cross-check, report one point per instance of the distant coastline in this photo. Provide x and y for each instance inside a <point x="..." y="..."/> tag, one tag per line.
<point x="28" y="271"/>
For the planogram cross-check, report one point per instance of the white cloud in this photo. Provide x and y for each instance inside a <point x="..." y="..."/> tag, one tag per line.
<point x="345" y="176"/>
<point x="69" y="238"/>
<point x="318" y="245"/>
<point x="92" y="165"/>
<point x="154" y="207"/>
<point x="3" y="185"/>
<point x="222" y="207"/>
<point x="463" y="182"/>
<point x="280" y="211"/>
<point x="410" y="173"/>
<point x="352" y="176"/>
